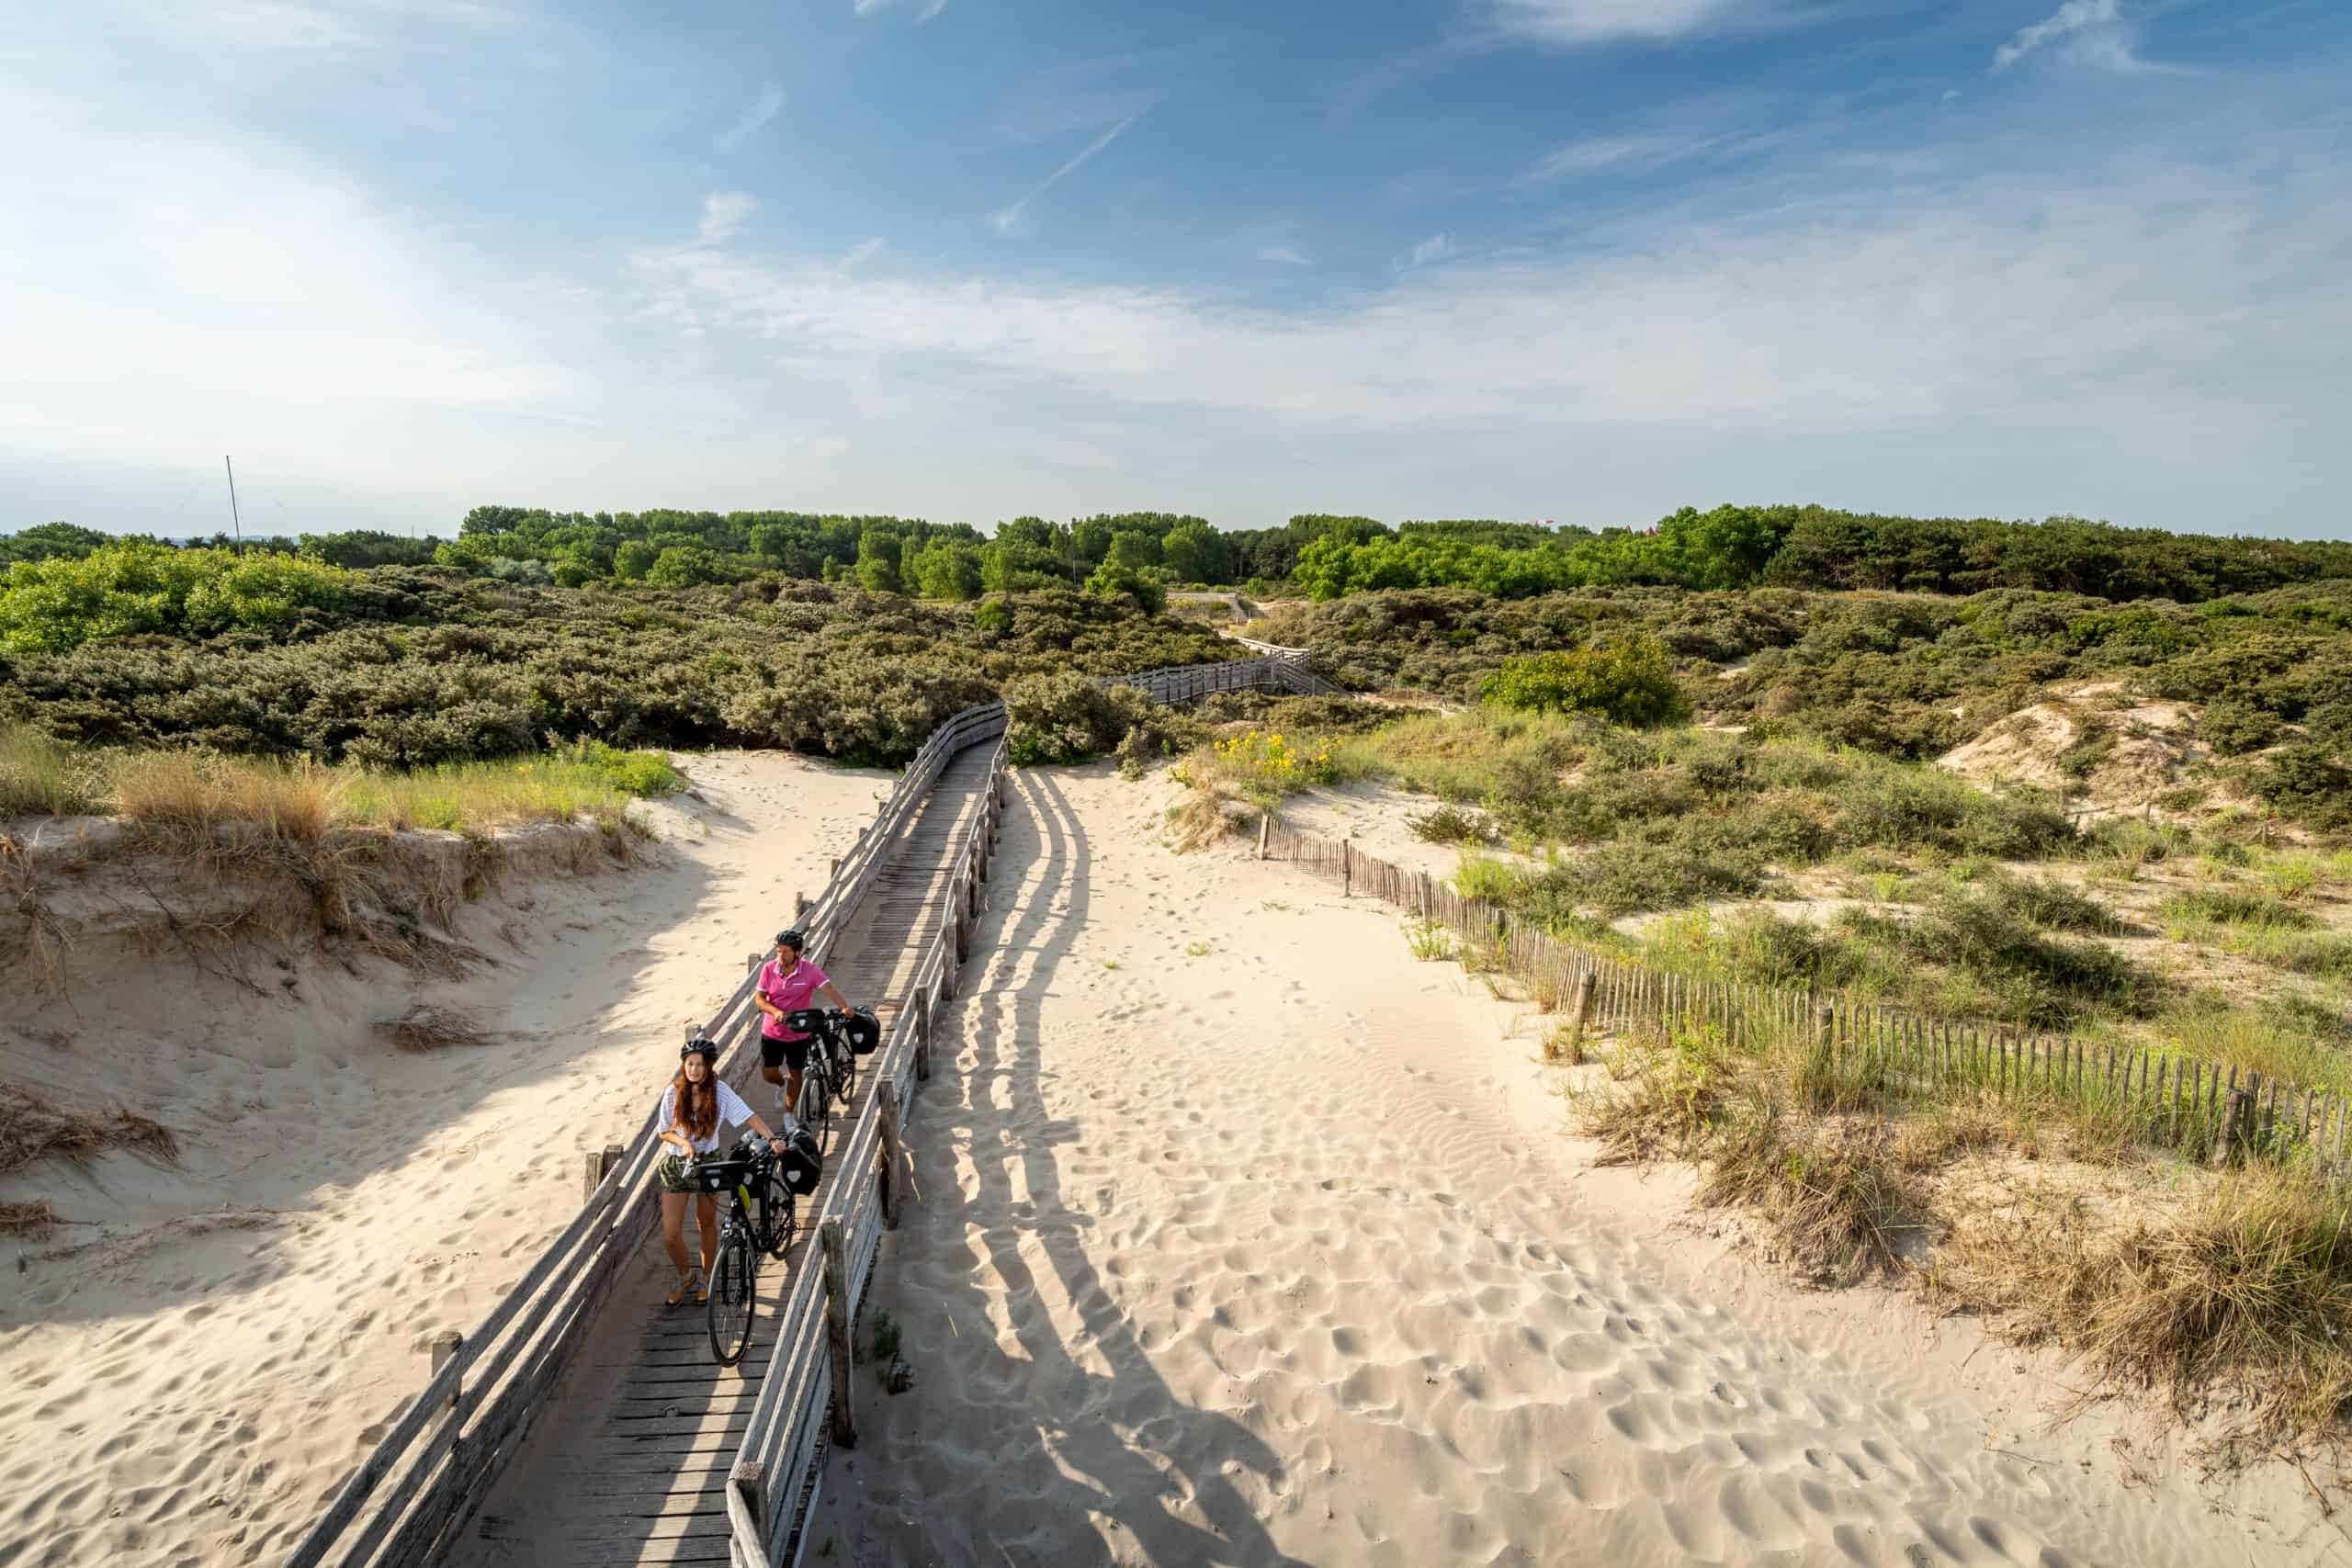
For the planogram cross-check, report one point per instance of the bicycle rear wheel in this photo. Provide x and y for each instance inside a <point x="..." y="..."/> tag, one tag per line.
<point x="845" y="1075"/>
<point x="772" y="1209"/>
<point x="734" y="1297"/>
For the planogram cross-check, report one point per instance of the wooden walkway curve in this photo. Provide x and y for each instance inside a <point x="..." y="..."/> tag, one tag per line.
<point x="640" y="1470"/>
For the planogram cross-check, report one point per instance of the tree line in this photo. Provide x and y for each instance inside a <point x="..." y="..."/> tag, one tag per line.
<point x="1141" y="553"/>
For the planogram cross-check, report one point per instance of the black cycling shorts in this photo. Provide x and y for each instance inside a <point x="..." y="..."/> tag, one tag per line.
<point x="793" y="1053"/>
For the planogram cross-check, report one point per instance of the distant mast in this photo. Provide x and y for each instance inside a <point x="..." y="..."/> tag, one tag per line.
<point x="234" y="521"/>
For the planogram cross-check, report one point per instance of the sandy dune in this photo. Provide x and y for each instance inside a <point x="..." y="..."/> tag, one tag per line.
<point x="189" y="1365"/>
<point x="1244" y="1238"/>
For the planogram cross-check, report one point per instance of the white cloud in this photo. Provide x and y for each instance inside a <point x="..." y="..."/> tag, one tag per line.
<point x="1005" y="219"/>
<point x="2093" y="33"/>
<point x="1435" y="248"/>
<point x="931" y="8"/>
<point x="723" y="214"/>
<point x="861" y="252"/>
<point x="1597" y="153"/>
<point x="1283" y="255"/>
<point x="2129" y="295"/>
<point x="1601" y="21"/>
<point x="747" y="124"/>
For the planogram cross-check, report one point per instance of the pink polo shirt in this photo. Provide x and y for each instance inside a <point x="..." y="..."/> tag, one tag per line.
<point x="787" y="993"/>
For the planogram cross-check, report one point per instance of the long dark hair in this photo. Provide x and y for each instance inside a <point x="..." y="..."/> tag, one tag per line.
<point x="697" y="1105"/>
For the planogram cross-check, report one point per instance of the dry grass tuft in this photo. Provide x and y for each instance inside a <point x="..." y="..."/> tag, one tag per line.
<point x="428" y="1028"/>
<point x="33" y="1127"/>
<point x="2245" y="1297"/>
<point x="30" y="1219"/>
<point x="1203" y="817"/>
<point x="1834" y="1192"/>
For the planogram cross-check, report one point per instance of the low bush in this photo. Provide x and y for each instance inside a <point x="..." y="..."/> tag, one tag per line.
<point x="1629" y="683"/>
<point x="1450" y="825"/>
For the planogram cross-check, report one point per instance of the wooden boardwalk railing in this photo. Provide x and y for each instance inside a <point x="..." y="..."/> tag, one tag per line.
<point x="413" y="1495"/>
<point x="2160" y="1099"/>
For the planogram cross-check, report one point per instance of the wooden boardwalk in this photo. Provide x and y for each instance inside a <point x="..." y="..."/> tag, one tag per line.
<point x="645" y="1474"/>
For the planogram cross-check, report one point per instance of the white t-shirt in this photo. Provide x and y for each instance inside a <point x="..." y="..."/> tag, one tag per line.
<point x="732" y="1113"/>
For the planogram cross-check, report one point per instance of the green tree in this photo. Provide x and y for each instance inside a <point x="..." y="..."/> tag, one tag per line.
<point x="1111" y="580"/>
<point x="877" y="562"/>
<point x="1194" y="552"/>
<point x="683" y="565"/>
<point x="634" y="559"/>
<point x="951" y="570"/>
<point x="48" y="541"/>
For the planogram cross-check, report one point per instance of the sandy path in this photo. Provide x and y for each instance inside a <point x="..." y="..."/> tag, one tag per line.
<point x="1277" y="1253"/>
<point x="223" y="1339"/>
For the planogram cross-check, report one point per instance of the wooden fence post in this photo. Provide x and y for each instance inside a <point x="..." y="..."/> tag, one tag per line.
<point x="799" y="905"/>
<point x="886" y="1094"/>
<point x="1579" y="1014"/>
<point x="1265" y="826"/>
<point x="1347" y="869"/>
<point x="1825" y="1025"/>
<point x="837" y="1288"/>
<point x="2233" y="1112"/>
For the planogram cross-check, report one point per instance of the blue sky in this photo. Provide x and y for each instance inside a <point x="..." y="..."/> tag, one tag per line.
<point x="1584" y="260"/>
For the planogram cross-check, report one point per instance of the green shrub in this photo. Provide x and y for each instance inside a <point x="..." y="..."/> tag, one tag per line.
<point x="1629" y="683"/>
<point x="2304" y="781"/>
<point x="2233" y="726"/>
<point x="1063" y="718"/>
<point x="60" y="603"/>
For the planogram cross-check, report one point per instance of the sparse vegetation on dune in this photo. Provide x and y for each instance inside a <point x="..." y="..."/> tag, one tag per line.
<point x="2234" y="1289"/>
<point x="192" y="794"/>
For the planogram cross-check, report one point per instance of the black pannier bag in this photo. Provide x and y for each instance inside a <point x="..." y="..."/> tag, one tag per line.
<point x="799" y="1163"/>
<point x="718" y="1176"/>
<point x="806" y="1020"/>
<point x="863" y="1032"/>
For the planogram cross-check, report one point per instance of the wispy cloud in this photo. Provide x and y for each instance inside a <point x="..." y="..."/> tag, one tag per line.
<point x="747" y="124"/>
<point x="1437" y="247"/>
<point x="723" y="212"/>
<point x="1603" y="21"/>
<point x="1004" y="219"/>
<point x="861" y="252"/>
<point x="1597" y="153"/>
<point x="931" y="8"/>
<point x="1284" y="255"/>
<point x="2094" y="33"/>
<point x="2026" y="298"/>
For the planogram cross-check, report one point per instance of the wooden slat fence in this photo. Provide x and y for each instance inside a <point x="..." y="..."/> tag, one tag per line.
<point x="2155" y="1097"/>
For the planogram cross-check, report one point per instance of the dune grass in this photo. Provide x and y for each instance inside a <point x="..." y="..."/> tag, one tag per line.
<point x="191" y="793"/>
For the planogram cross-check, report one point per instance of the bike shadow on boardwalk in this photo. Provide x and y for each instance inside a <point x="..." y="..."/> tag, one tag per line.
<point x="1066" y="1468"/>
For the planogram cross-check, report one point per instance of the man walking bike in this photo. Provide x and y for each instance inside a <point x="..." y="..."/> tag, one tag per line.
<point x="787" y="984"/>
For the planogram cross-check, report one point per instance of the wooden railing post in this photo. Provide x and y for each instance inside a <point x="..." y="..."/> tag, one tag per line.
<point x="886" y="1094"/>
<point x="599" y="1163"/>
<point x="922" y="1035"/>
<point x="837" y="1288"/>
<point x="799" y="905"/>
<point x="446" y="1345"/>
<point x="751" y="1480"/>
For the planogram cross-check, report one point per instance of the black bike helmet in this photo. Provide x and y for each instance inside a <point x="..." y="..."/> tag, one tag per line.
<point x="792" y="938"/>
<point x="700" y="1043"/>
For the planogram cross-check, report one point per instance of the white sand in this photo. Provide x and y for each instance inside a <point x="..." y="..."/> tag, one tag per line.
<point x="1279" y="1251"/>
<point x="190" y="1365"/>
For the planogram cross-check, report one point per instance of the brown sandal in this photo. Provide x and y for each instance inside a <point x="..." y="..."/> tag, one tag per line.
<point x="686" y="1282"/>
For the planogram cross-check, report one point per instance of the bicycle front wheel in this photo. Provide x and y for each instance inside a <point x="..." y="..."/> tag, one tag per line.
<point x="845" y="1076"/>
<point x="734" y="1297"/>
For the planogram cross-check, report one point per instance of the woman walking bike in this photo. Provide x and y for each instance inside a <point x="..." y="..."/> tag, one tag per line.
<point x="693" y="1107"/>
<point x="789" y="984"/>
